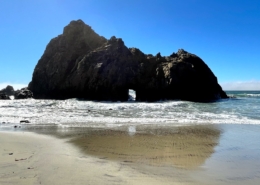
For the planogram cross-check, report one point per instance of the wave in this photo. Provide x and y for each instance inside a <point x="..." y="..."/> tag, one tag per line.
<point x="253" y="95"/>
<point x="91" y="114"/>
<point x="244" y="94"/>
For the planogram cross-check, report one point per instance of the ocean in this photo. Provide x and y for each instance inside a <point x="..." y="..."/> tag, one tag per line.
<point x="242" y="108"/>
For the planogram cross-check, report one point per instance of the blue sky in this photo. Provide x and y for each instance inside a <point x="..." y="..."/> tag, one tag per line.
<point x="224" y="33"/>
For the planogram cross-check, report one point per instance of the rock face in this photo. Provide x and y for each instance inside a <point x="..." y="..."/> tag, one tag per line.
<point x="9" y="90"/>
<point x="51" y="77"/>
<point x="4" y="97"/>
<point x="81" y="64"/>
<point x="24" y="93"/>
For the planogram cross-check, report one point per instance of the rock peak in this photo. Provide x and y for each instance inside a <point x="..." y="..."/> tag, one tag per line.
<point x="113" y="40"/>
<point x="75" y="27"/>
<point x="181" y="51"/>
<point x="79" y="21"/>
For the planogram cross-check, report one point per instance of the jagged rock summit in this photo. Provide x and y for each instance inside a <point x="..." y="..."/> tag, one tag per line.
<point x="81" y="64"/>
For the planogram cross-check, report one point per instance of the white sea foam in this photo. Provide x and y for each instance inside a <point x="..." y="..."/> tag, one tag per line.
<point x="74" y="113"/>
<point x="253" y="94"/>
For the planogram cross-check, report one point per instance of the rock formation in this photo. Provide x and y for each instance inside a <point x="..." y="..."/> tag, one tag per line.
<point x="24" y="93"/>
<point x="81" y="64"/>
<point x="9" y="91"/>
<point x="4" y="97"/>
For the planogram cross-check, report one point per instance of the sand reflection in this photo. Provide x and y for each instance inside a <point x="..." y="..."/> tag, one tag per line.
<point x="183" y="147"/>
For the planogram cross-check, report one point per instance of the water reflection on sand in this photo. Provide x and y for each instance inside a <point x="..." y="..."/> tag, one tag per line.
<point x="198" y="154"/>
<point x="182" y="147"/>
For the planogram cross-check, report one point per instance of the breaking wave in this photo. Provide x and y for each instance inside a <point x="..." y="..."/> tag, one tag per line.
<point x="75" y="113"/>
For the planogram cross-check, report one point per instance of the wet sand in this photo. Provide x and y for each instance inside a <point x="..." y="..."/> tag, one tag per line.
<point x="181" y="147"/>
<point x="208" y="154"/>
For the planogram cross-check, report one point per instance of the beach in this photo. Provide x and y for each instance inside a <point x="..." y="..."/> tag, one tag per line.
<point x="130" y="93"/>
<point x="197" y="154"/>
<point x="38" y="159"/>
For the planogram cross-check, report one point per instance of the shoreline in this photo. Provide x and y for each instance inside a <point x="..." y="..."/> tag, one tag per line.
<point x="39" y="159"/>
<point x="209" y="154"/>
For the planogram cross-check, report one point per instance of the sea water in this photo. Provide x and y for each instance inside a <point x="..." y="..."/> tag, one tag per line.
<point x="242" y="108"/>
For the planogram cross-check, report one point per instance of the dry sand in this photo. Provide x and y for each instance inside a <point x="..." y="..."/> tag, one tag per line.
<point x="216" y="154"/>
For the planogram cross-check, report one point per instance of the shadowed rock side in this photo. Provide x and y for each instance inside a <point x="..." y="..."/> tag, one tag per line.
<point x="4" y="97"/>
<point x="51" y="77"/>
<point x="81" y="64"/>
<point x="9" y="90"/>
<point x="23" y="93"/>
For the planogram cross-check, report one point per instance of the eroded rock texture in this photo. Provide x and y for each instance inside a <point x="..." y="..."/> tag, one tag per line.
<point x="81" y="64"/>
<point x="23" y="93"/>
<point x="4" y="97"/>
<point x="9" y="90"/>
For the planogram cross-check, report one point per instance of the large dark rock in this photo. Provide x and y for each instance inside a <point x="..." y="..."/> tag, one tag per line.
<point x="24" y="93"/>
<point x="9" y="91"/>
<point x="81" y="64"/>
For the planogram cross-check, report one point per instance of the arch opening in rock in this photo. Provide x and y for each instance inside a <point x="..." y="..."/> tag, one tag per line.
<point x="131" y="95"/>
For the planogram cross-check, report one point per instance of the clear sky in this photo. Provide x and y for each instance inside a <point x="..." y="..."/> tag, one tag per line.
<point x="224" y="33"/>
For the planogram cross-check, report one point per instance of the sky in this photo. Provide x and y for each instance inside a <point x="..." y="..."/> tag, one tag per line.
<point x="224" y="33"/>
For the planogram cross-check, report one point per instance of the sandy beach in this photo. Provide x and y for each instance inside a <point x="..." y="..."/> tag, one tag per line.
<point x="205" y="154"/>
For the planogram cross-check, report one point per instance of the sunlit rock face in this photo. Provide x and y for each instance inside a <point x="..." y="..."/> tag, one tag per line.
<point x="181" y="75"/>
<point x="81" y="64"/>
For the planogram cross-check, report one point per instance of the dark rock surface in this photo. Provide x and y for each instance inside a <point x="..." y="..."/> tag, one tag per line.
<point x="24" y="93"/>
<point x="24" y="121"/>
<point x="61" y="58"/>
<point x="81" y="64"/>
<point x="4" y="97"/>
<point x="180" y="76"/>
<point x="9" y="91"/>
